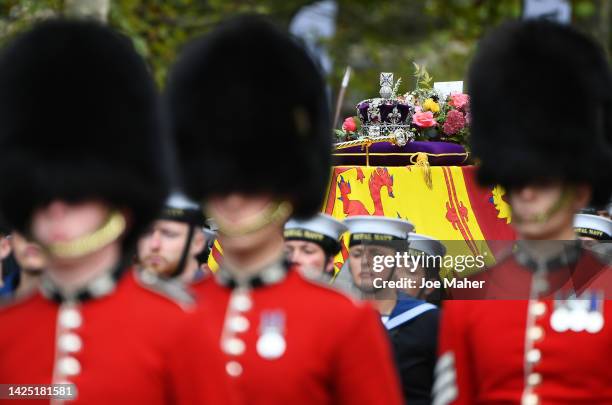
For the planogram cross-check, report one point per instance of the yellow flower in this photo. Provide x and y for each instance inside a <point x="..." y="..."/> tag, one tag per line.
<point x="430" y="105"/>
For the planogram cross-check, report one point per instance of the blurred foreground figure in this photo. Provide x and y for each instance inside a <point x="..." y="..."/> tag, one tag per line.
<point x="79" y="155"/>
<point x="254" y="144"/>
<point x="543" y="333"/>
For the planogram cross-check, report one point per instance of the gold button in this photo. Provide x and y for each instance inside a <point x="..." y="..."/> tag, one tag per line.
<point x="233" y="368"/>
<point x="70" y="318"/>
<point x="241" y="302"/>
<point x="538" y="308"/>
<point x="534" y="379"/>
<point x="69" y="343"/>
<point x="535" y="333"/>
<point x="530" y="399"/>
<point x="69" y="366"/>
<point x="233" y="346"/>
<point x="238" y="324"/>
<point x="540" y="286"/>
<point x="533" y="356"/>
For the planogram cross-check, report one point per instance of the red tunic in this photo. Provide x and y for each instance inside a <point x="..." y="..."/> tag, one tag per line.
<point x="298" y="343"/>
<point x="517" y="351"/>
<point x="119" y="348"/>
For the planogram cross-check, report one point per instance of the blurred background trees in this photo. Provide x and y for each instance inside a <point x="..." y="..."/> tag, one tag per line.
<point x="371" y="35"/>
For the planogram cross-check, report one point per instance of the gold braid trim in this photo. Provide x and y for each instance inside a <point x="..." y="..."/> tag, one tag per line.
<point x="109" y="232"/>
<point x="367" y="141"/>
<point x="543" y="217"/>
<point x="423" y="162"/>
<point x="276" y="212"/>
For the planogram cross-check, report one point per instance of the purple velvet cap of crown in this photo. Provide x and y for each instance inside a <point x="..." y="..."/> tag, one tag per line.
<point x="452" y="154"/>
<point x="385" y="108"/>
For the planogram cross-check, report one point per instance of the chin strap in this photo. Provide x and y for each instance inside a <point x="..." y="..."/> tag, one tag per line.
<point x="109" y="232"/>
<point x="566" y="194"/>
<point x="275" y="212"/>
<point x="180" y="268"/>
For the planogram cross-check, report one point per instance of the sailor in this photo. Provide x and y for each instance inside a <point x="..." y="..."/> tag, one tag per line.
<point x="428" y="254"/>
<point x="169" y="248"/>
<point x="313" y="243"/>
<point x="593" y="227"/>
<point x="411" y="322"/>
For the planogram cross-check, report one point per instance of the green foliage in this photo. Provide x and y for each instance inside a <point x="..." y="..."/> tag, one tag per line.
<point x="372" y="35"/>
<point x="423" y="79"/>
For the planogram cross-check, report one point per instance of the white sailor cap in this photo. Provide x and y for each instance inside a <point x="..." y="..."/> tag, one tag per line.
<point x="426" y="244"/>
<point x="321" y="229"/>
<point x="377" y="229"/>
<point x="593" y="226"/>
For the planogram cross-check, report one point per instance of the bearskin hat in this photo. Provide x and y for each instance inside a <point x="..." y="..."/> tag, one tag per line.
<point x="250" y="114"/>
<point x="541" y="105"/>
<point x="79" y="121"/>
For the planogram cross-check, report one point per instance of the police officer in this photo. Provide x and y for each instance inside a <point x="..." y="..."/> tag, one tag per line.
<point x="547" y="340"/>
<point x="411" y="322"/>
<point x="79" y="155"/>
<point x="251" y="118"/>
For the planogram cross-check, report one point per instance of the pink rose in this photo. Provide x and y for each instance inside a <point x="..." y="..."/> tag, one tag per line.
<point x="424" y="119"/>
<point x="459" y="100"/>
<point x="349" y="125"/>
<point x="455" y="121"/>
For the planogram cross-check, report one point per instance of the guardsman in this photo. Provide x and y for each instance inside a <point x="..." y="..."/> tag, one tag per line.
<point x="251" y="118"/>
<point x="79" y="155"/>
<point x="169" y="248"/>
<point x="411" y="322"/>
<point x="313" y="243"/>
<point x="539" y="330"/>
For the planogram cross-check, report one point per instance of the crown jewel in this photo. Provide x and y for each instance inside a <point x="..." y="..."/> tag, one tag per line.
<point x="387" y="115"/>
